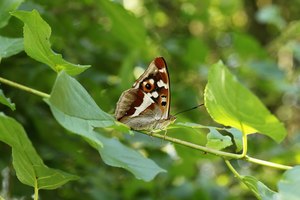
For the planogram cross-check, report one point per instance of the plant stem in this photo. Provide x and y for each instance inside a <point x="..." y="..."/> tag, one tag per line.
<point x="267" y="163"/>
<point x="36" y="190"/>
<point x="223" y="154"/>
<point x="195" y="146"/>
<point x="170" y="139"/>
<point x="245" y="142"/>
<point x="22" y="87"/>
<point x="236" y="174"/>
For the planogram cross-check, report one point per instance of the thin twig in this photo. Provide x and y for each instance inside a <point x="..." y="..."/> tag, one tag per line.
<point x="25" y="88"/>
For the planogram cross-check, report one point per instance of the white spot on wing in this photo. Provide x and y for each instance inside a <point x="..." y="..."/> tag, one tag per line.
<point x="160" y="84"/>
<point x="151" y="81"/>
<point x="147" y="101"/>
<point x="162" y="70"/>
<point x="154" y="94"/>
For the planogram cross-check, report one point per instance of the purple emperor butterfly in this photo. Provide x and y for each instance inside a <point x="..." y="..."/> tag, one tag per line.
<point x="146" y="106"/>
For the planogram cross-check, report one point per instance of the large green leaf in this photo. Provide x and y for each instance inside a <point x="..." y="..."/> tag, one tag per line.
<point x="231" y="104"/>
<point x="37" y="45"/>
<point x="76" y="111"/>
<point x="6" y="6"/>
<point x="125" y="26"/>
<point x="6" y="101"/>
<point x="289" y="185"/>
<point x="10" y="46"/>
<point x="260" y="190"/>
<point x="29" y="167"/>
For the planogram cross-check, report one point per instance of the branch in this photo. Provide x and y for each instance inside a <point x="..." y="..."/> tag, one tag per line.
<point x="25" y="88"/>
<point x="223" y="154"/>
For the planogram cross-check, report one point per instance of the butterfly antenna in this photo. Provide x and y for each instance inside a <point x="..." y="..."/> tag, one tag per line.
<point x="189" y="109"/>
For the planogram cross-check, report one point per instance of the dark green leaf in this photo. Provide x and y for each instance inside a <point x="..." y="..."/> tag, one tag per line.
<point x="6" y="6"/>
<point x="10" y="46"/>
<point x="29" y="167"/>
<point x="37" y="45"/>
<point x="75" y="110"/>
<point x="6" y="101"/>
<point x="289" y="185"/>
<point x="231" y="104"/>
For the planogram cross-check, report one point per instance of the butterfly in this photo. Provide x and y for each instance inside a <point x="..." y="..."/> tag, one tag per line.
<point x="146" y="105"/>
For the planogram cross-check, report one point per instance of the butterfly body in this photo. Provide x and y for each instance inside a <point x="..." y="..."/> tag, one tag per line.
<point x="146" y="105"/>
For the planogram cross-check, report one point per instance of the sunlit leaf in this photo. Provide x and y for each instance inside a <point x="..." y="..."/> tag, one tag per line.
<point x="29" y="167"/>
<point x="6" y="101"/>
<point x="76" y="111"/>
<point x="6" y="6"/>
<point x="10" y="46"/>
<point x="37" y="45"/>
<point x="231" y="104"/>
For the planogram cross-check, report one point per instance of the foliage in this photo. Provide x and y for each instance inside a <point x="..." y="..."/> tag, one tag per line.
<point x="258" y="44"/>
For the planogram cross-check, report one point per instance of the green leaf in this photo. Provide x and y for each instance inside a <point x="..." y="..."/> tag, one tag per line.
<point x="132" y="29"/>
<point x="29" y="167"/>
<point x="260" y="190"/>
<point x="10" y="46"/>
<point x="37" y="45"/>
<point x="116" y="154"/>
<point x="76" y="111"/>
<point x="217" y="141"/>
<point x="289" y="185"/>
<point x="237" y="137"/>
<point x="6" y="6"/>
<point x="6" y="101"/>
<point x="231" y="104"/>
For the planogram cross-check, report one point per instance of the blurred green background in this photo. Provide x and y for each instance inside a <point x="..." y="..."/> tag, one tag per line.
<point x="258" y="40"/>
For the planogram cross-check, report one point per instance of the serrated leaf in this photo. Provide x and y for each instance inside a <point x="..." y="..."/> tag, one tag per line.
<point x="231" y="104"/>
<point x="6" y="101"/>
<point x="6" y="6"/>
<point x="29" y="167"/>
<point x="37" y="45"/>
<point x="10" y="46"/>
<point x="260" y="190"/>
<point x="76" y="111"/>
<point x="288" y="186"/>
<point x="217" y="141"/>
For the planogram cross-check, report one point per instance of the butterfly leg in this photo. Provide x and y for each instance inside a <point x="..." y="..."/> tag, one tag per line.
<point x="165" y="134"/>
